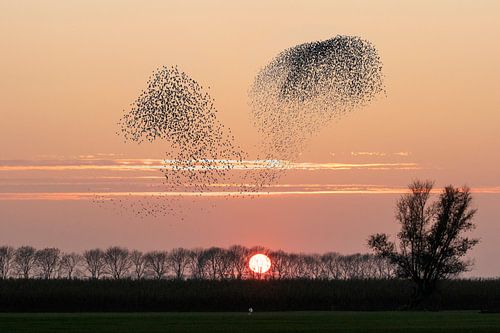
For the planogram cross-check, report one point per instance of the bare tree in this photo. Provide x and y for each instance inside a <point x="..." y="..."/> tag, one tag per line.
<point x="179" y="259"/>
<point x="94" y="262"/>
<point x="301" y="267"/>
<point x="224" y="265"/>
<point x="352" y="266"/>
<point x="347" y="268"/>
<point x="6" y="258"/>
<point x="219" y="263"/>
<point x="314" y="266"/>
<point x="68" y="265"/>
<point x="431" y="243"/>
<point x="368" y="267"/>
<point x="331" y="264"/>
<point x="384" y="269"/>
<point x="197" y="263"/>
<point x="213" y="262"/>
<point x="238" y="256"/>
<point x="292" y="262"/>
<point x="47" y="260"/>
<point x="139" y="263"/>
<point x="279" y="263"/>
<point x="117" y="261"/>
<point x="157" y="263"/>
<point x="25" y="261"/>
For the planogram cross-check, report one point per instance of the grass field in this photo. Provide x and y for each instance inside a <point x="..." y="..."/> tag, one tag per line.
<point x="257" y="322"/>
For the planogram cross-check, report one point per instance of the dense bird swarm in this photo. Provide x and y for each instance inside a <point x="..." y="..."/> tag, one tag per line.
<point x="201" y="150"/>
<point x="177" y="109"/>
<point x="307" y="86"/>
<point x="296" y="95"/>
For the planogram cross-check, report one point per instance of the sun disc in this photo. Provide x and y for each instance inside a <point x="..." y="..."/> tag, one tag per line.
<point x="259" y="263"/>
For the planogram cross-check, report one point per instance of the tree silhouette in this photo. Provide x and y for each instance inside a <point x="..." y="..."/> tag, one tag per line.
<point x="157" y="263"/>
<point x="179" y="259"/>
<point x="138" y="261"/>
<point x="25" y="260"/>
<point x="47" y="261"/>
<point x="213" y="263"/>
<point x="7" y="254"/>
<point x="117" y="261"/>
<point x="94" y="262"/>
<point x="431" y="243"/>
<point x="68" y="265"/>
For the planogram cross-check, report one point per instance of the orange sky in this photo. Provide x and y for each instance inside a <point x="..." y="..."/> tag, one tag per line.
<point x="69" y="69"/>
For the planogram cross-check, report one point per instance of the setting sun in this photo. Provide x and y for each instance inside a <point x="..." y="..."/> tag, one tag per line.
<point x="259" y="263"/>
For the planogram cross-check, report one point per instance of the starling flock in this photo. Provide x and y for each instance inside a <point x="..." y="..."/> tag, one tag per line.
<point x="175" y="108"/>
<point x="307" y="86"/>
<point x="293" y="97"/>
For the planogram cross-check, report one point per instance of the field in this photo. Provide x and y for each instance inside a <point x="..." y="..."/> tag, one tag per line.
<point x="221" y="306"/>
<point x="258" y="322"/>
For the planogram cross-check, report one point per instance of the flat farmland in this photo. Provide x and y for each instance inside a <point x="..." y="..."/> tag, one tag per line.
<point x="315" y="321"/>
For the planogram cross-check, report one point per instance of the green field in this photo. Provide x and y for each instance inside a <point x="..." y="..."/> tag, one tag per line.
<point x="257" y="322"/>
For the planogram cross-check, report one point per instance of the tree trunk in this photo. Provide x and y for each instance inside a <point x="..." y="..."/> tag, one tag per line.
<point x="422" y="293"/>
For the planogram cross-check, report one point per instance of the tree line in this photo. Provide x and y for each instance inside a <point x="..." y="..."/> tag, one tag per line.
<point x="430" y="248"/>
<point x="215" y="263"/>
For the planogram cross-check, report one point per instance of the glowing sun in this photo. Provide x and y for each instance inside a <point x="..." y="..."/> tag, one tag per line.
<point x="259" y="263"/>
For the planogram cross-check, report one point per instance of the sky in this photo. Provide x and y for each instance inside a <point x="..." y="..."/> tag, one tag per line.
<point x="69" y="69"/>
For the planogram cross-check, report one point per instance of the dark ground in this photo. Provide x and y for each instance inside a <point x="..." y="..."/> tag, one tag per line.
<point x="267" y="322"/>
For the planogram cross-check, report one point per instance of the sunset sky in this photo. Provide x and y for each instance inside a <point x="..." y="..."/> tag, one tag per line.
<point x="69" y="69"/>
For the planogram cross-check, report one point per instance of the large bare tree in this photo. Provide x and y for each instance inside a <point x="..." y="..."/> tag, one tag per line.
<point x="431" y="242"/>
<point x="157" y="263"/>
<point x="238" y="255"/>
<point x="279" y="264"/>
<point x="197" y="263"/>
<point x="179" y="259"/>
<point x="25" y="261"/>
<point x="217" y="263"/>
<point x="68" y="265"/>
<point x="47" y="261"/>
<point x="6" y="258"/>
<point x="117" y="261"/>
<point x="139" y="263"/>
<point x="94" y="262"/>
